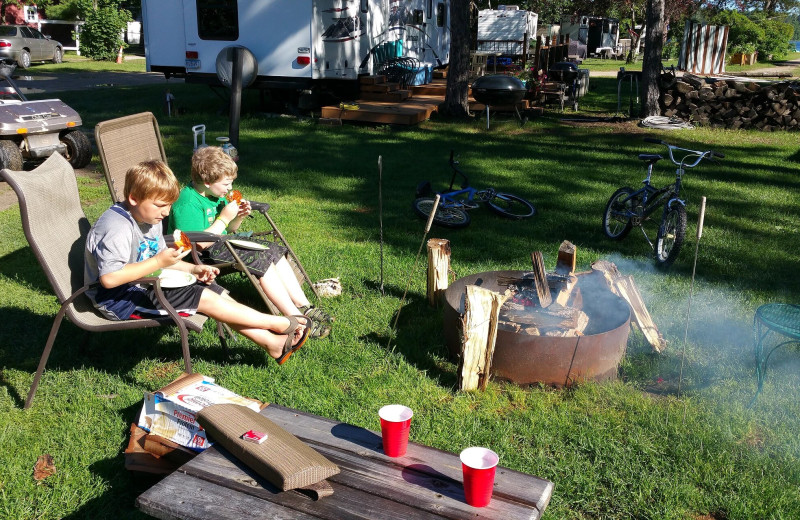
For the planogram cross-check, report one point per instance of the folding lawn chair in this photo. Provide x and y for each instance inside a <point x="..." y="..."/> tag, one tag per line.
<point x="129" y="140"/>
<point x="56" y="229"/>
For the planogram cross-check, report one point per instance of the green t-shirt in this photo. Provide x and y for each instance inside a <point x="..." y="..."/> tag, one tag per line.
<point x="194" y="212"/>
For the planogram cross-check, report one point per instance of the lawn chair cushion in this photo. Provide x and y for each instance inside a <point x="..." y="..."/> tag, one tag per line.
<point x="283" y="459"/>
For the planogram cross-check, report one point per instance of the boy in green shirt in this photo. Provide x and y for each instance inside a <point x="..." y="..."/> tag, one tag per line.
<point x="203" y="207"/>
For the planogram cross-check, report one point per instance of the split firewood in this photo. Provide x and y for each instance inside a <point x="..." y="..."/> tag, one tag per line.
<point x="609" y="272"/>
<point x="562" y="333"/>
<point x="551" y="317"/>
<point x="438" y="269"/>
<point x="566" y="292"/>
<point x="567" y="258"/>
<point x="479" y="326"/>
<point x="628" y="290"/>
<point x="540" y="279"/>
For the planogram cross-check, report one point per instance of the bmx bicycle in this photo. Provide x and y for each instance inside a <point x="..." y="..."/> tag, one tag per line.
<point x="453" y="206"/>
<point x="628" y="207"/>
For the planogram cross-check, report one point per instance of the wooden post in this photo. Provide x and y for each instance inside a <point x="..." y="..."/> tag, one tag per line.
<point x="479" y="326"/>
<point x="536" y="57"/>
<point x="438" y="269"/>
<point x="524" y="51"/>
<point x="540" y="279"/>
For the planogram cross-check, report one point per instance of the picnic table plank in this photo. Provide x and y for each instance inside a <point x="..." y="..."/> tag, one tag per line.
<point x="218" y="466"/>
<point x="522" y="487"/>
<point x="180" y="497"/>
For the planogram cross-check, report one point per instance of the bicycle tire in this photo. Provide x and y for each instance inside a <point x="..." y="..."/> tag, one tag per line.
<point x="445" y="217"/>
<point x="671" y="234"/>
<point x="618" y="227"/>
<point x="511" y="206"/>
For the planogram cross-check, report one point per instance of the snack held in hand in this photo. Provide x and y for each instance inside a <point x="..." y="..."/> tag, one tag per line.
<point x="234" y="195"/>
<point x="181" y="240"/>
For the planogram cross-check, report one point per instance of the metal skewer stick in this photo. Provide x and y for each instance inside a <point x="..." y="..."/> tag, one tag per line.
<point x="380" y="213"/>
<point x="691" y="294"/>
<point x="413" y="269"/>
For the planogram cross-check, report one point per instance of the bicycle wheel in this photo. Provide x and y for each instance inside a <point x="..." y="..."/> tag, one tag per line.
<point x="446" y="217"/>
<point x="616" y="222"/>
<point x="671" y="234"/>
<point x="511" y="206"/>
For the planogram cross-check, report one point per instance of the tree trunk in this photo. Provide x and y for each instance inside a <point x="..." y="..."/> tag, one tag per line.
<point x="651" y="65"/>
<point x="455" y="98"/>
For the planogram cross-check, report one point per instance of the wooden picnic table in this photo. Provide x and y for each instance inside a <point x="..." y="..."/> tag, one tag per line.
<point x="425" y="483"/>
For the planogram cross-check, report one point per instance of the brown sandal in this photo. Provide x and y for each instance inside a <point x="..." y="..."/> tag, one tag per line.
<point x="288" y="349"/>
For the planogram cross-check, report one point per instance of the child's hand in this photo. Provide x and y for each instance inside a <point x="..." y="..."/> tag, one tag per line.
<point x="244" y="208"/>
<point x="205" y="273"/>
<point x="169" y="257"/>
<point x="229" y="212"/>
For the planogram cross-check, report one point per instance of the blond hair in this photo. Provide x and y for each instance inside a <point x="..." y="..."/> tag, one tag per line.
<point x="151" y="180"/>
<point x="211" y="164"/>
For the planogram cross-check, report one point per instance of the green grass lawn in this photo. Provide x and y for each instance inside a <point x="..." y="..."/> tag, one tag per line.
<point x="631" y="448"/>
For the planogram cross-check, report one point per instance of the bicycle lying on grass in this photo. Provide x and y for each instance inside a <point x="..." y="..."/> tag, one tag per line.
<point x="453" y="206"/>
<point x="628" y="207"/>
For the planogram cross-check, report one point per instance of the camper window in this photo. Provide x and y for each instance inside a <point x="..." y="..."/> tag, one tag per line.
<point x="419" y="16"/>
<point x="218" y="20"/>
<point x="440" y="15"/>
<point x="430" y="9"/>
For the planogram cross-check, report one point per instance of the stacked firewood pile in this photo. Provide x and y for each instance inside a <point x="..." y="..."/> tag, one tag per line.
<point x="733" y="103"/>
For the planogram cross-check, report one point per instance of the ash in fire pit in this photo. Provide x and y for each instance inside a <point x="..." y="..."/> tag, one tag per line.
<point x="594" y="325"/>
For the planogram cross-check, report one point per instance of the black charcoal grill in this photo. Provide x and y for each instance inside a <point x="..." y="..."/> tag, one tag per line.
<point x="498" y="89"/>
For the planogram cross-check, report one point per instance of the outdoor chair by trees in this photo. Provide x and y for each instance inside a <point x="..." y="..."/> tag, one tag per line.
<point x="129" y="140"/>
<point x="56" y="229"/>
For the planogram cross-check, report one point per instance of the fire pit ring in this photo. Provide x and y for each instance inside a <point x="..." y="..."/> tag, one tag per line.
<point x="558" y="361"/>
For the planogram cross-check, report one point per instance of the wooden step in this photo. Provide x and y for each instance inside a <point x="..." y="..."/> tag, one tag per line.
<point x="395" y="96"/>
<point x="372" y="80"/>
<point x="410" y="112"/>
<point x="380" y="87"/>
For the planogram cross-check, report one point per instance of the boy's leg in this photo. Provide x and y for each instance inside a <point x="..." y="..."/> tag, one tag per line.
<point x="286" y="274"/>
<point x="228" y="310"/>
<point x="277" y="292"/>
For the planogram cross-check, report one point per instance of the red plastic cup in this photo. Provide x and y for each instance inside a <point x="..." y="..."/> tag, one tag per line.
<point x="395" y="423"/>
<point x="478" y="466"/>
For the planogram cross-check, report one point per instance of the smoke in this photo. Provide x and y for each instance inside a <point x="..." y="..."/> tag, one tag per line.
<point x="718" y="316"/>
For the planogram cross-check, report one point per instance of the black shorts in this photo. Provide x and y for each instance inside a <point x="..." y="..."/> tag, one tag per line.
<point x="183" y="299"/>
<point x="257" y="261"/>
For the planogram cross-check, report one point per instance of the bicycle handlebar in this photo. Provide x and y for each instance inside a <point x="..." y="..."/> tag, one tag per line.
<point x="709" y="154"/>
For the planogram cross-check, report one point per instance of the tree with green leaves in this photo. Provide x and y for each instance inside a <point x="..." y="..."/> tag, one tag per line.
<point x="101" y="37"/>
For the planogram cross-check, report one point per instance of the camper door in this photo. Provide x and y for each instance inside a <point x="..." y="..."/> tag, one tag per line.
<point x="277" y="32"/>
<point x="341" y="39"/>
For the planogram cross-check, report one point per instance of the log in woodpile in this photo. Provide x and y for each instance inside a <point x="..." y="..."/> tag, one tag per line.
<point x="733" y="103"/>
<point x="438" y="269"/>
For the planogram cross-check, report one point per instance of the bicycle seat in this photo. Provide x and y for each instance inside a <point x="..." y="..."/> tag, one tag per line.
<point x="650" y="157"/>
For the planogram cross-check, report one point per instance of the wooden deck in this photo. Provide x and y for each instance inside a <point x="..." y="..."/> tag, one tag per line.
<point x="426" y="483"/>
<point x="385" y="103"/>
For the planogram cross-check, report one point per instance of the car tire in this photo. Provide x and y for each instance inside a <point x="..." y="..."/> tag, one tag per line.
<point x="79" y="149"/>
<point x="10" y="155"/>
<point x="57" y="57"/>
<point x="24" y="60"/>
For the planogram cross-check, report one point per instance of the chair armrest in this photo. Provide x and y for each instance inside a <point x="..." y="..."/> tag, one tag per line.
<point x="263" y="207"/>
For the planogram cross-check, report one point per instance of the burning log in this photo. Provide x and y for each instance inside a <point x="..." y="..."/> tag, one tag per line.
<point x="567" y="258"/>
<point x="555" y="316"/>
<point x="479" y="326"/>
<point x="438" y="269"/>
<point x="540" y="279"/>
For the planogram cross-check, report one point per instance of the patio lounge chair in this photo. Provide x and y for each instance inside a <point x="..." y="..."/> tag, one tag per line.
<point x="129" y="140"/>
<point x="56" y="229"/>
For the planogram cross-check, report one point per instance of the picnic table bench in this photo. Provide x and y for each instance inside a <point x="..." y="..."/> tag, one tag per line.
<point x="425" y="483"/>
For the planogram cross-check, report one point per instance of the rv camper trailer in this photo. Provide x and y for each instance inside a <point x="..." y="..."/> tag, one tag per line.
<point x="505" y="29"/>
<point x="296" y="45"/>
<point x="592" y="32"/>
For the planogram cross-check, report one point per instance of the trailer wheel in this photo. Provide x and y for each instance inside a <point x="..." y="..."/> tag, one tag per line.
<point x="79" y="149"/>
<point x="10" y="155"/>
